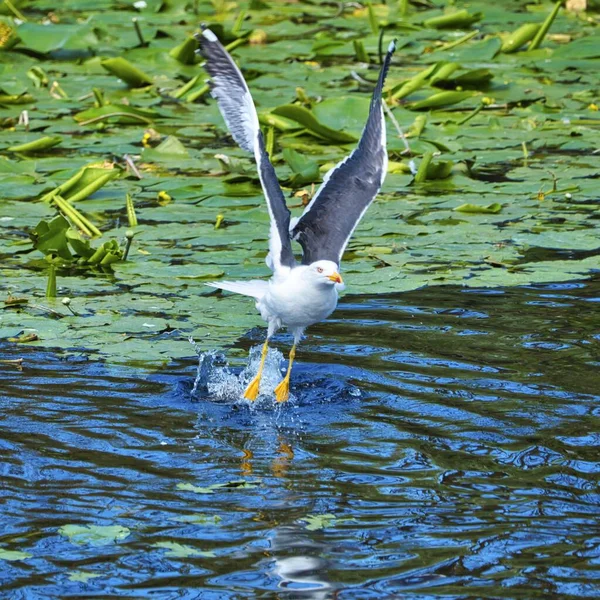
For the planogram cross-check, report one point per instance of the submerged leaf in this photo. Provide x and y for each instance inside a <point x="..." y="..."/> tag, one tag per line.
<point x="177" y="550"/>
<point x="94" y="535"/>
<point x="199" y="519"/>
<point x="211" y="489"/>
<point x="317" y="522"/>
<point x="82" y="576"/>
<point x="11" y="555"/>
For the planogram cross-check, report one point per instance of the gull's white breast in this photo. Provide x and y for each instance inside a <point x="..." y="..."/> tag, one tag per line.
<point x="296" y="301"/>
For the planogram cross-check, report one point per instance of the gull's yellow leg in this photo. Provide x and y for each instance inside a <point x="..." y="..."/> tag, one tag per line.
<point x="251" y="392"/>
<point x="282" y="391"/>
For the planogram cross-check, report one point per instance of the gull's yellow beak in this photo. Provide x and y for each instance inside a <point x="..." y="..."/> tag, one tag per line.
<point x="335" y="277"/>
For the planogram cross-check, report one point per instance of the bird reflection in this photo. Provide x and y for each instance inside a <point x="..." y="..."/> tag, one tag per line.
<point x="297" y="561"/>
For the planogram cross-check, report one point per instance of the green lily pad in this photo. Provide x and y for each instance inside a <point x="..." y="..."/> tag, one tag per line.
<point x="211" y="489"/>
<point x="94" y="535"/>
<point x="176" y="550"/>
<point x="82" y="576"/>
<point x="318" y="522"/>
<point x="11" y="555"/>
<point x="305" y="118"/>
<point x="199" y="519"/>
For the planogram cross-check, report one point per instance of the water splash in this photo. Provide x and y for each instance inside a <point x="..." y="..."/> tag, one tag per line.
<point x="217" y="380"/>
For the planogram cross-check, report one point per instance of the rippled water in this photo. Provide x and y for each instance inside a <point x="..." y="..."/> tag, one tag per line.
<point x="442" y="443"/>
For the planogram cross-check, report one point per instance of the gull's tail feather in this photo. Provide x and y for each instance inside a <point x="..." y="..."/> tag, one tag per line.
<point x="255" y="287"/>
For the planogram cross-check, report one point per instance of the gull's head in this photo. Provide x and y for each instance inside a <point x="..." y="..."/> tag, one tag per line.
<point x="325" y="272"/>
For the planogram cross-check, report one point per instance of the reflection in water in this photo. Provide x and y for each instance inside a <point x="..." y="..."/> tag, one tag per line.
<point x="439" y="443"/>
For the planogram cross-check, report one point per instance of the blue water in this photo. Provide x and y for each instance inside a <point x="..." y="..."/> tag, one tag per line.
<point x="441" y="443"/>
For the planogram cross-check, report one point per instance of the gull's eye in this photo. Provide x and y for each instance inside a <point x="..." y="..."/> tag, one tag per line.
<point x="319" y="269"/>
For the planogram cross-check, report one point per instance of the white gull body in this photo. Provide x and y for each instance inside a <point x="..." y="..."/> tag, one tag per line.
<point x="299" y="295"/>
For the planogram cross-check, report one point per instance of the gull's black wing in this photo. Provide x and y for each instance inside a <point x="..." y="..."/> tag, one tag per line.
<point x="348" y="189"/>
<point x="229" y="89"/>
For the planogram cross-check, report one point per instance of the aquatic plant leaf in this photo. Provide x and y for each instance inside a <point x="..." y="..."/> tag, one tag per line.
<point x="177" y="550"/>
<point x="520" y="37"/>
<point x="38" y="145"/>
<point x="199" y="519"/>
<point x="169" y="149"/>
<point x="10" y="555"/>
<point x="56" y="36"/>
<point x="94" y="535"/>
<point x="539" y="117"/>
<point x="492" y="209"/>
<point x="347" y="113"/>
<point x="453" y="20"/>
<point x="583" y="48"/>
<point x="82" y="576"/>
<point x="51" y="237"/>
<point x="305" y="118"/>
<point x="117" y="113"/>
<point x="317" y="522"/>
<point x="482" y="50"/>
<point x="185" y="52"/>
<point x="474" y="79"/>
<point x="440" y="100"/>
<point x="126" y="72"/>
<point x="305" y="170"/>
<point x="238" y="484"/>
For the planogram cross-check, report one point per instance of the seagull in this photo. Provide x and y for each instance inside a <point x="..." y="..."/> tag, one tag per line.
<point x="298" y="295"/>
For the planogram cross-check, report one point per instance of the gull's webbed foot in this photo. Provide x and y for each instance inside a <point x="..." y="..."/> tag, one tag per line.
<point x="251" y="392"/>
<point x="282" y="391"/>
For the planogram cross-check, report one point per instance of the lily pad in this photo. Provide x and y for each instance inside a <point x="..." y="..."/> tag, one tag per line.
<point x="211" y="489"/>
<point x="94" y="535"/>
<point x="11" y="555"/>
<point x="82" y="576"/>
<point x="176" y="550"/>
<point x="318" y="522"/>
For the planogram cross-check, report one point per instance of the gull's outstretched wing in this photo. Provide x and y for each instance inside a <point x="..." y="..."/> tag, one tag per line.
<point x="230" y="91"/>
<point x="348" y="189"/>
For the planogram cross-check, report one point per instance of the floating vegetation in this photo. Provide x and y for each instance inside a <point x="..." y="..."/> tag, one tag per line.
<point x="499" y="104"/>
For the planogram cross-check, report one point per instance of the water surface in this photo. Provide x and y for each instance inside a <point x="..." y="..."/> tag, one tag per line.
<point x="441" y="443"/>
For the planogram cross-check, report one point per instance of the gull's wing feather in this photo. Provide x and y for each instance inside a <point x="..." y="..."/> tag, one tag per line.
<point x="229" y="89"/>
<point x="348" y="189"/>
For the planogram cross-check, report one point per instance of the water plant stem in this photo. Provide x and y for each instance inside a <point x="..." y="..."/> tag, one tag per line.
<point x="541" y="34"/>
<point x="138" y="31"/>
<point x="129" y="237"/>
<point x="78" y="219"/>
<point x="458" y="42"/>
<point x="15" y="11"/>
<point x="131" y="216"/>
<point x="421" y="175"/>
<point x="474" y="112"/>
<point x="51" y="285"/>
<point x="115" y="114"/>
